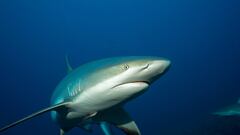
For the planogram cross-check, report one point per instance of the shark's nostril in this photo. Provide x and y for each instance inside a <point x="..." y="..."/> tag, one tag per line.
<point x="146" y="66"/>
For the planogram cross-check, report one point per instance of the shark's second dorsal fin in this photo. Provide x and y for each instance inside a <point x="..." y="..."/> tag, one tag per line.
<point x="69" y="67"/>
<point x="51" y="108"/>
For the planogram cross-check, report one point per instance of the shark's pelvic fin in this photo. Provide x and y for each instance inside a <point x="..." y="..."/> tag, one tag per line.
<point x="69" y="67"/>
<point x="121" y="119"/>
<point x="51" y="108"/>
<point x="130" y="128"/>
<point x="106" y="128"/>
<point x="62" y="132"/>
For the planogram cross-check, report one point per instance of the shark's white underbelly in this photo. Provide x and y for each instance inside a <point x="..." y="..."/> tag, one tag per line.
<point x="97" y="99"/>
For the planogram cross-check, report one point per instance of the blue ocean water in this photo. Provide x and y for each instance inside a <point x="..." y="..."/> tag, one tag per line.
<point x="201" y="38"/>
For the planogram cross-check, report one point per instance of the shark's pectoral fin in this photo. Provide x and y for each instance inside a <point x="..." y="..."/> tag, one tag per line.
<point x="120" y="118"/>
<point x="51" y="108"/>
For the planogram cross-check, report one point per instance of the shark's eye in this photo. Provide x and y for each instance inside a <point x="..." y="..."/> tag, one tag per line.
<point x="125" y="67"/>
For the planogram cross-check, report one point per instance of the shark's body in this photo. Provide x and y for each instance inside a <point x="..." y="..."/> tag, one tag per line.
<point x="95" y="93"/>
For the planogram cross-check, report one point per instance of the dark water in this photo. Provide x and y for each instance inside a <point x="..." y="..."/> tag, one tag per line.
<point x="201" y="38"/>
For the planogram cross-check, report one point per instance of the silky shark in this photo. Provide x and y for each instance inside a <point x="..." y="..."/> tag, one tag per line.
<point x="96" y="92"/>
<point x="232" y="110"/>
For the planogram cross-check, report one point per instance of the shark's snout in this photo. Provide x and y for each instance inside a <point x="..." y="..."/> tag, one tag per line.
<point x="153" y="69"/>
<point x="159" y="65"/>
<point x="162" y="65"/>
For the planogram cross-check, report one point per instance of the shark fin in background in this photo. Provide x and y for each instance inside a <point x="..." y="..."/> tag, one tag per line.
<point x="69" y="67"/>
<point x="119" y="118"/>
<point x="87" y="125"/>
<point x="233" y="110"/>
<point x="238" y="102"/>
<point x="106" y="128"/>
<point x="51" y="108"/>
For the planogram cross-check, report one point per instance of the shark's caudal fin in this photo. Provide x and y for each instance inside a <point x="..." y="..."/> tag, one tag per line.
<point x="69" y="67"/>
<point x="55" y="107"/>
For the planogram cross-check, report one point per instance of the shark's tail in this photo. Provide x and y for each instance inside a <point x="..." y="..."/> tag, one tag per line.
<point x="55" y="108"/>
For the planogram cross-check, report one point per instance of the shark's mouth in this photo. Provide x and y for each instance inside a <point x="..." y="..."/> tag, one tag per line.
<point x="141" y="82"/>
<point x="133" y="82"/>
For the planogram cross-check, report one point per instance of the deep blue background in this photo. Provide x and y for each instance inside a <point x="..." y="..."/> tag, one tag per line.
<point x="200" y="37"/>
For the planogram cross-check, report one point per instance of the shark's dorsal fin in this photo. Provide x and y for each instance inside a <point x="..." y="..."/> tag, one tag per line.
<point x="121" y="119"/>
<point x="51" y="108"/>
<point x="69" y="67"/>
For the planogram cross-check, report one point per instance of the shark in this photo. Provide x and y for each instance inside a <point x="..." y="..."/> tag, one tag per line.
<point x="96" y="92"/>
<point x="231" y="110"/>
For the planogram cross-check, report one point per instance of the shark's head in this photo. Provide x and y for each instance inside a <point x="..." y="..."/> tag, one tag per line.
<point x="138" y="71"/>
<point x="124" y="77"/>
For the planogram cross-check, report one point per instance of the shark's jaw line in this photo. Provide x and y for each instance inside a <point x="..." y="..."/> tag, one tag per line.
<point x="134" y="82"/>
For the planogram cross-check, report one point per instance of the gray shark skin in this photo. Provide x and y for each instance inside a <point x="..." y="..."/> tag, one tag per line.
<point x="96" y="92"/>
